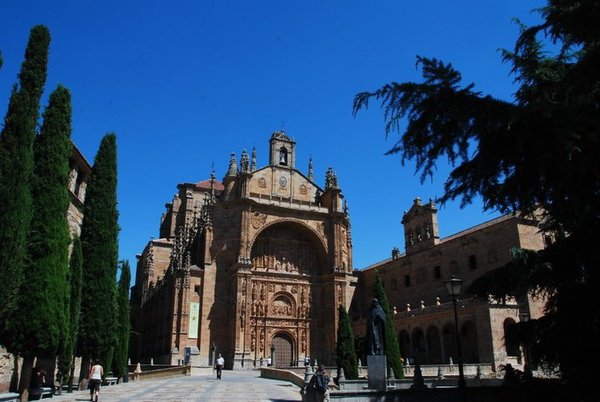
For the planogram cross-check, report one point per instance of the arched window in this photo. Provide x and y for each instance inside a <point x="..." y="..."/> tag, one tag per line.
<point x="283" y="156"/>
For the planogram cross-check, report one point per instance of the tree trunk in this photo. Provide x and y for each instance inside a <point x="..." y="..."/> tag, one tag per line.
<point x="14" y="378"/>
<point x="85" y="367"/>
<point x="26" y="370"/>
<point x="71" y="375"/>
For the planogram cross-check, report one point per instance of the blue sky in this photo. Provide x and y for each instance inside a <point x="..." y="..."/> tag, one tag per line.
<point x="184" y="83"/>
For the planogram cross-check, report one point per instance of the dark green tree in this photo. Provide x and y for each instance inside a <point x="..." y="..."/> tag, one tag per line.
<point x="99" y="235"/>
<point x="346" y="354"/>
<point x="392" y="350"/>
<point x="123" y="327"/>
<point x="16" y="171"/>
<point x="39" y="320"/>
<point x="67" y="346"/>
<point x="539" y="151"/>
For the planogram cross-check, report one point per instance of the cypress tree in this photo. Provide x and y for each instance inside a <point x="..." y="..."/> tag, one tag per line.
<point x="346" y="354"/>
<point x="99" y="233"/>
<point x="392" y="350"/>
<point x="67" y="347"/>
<point x="16" y="170"/>
<point x="122" y="348"/>
<point x="39" y="320"/>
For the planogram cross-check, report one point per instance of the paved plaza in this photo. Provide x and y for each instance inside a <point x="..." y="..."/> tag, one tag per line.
<point x="202" y="385"/>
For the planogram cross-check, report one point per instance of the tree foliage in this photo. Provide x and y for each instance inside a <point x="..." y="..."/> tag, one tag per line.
<point x="392" y="350"/>
<point x="16" y="170"/>
<point x="123" y="326"/>
<point x="67" y="347"/>
<point x="346" y="354"/>
<point x="538" y="152"/>
<point x="40" y="317"/>
<point x="99" y="233"/>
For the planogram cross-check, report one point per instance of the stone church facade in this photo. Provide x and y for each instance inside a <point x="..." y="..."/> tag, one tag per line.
<point x="249" y="267"/>
<point x="257" y="264"/>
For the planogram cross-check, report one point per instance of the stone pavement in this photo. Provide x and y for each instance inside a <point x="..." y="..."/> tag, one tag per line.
<point x="202" y="385"/>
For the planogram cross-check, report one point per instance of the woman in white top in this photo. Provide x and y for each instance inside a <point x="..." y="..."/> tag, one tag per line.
<point x="95" y="377"/>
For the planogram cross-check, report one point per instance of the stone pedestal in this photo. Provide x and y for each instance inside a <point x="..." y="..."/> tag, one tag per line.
<point x="376" y="369"/>
<point x="191" y="356"/>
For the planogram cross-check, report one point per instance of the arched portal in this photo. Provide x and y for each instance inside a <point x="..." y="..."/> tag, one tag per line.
<point x="418" y="345"/>
<point x="288" y="247"/>
<point x="283" y="354"/>
<point x="468" y="340"/>
<point x="434" y="346"/>
<point x="404" y="342"/>
<point x="449" y="343"/>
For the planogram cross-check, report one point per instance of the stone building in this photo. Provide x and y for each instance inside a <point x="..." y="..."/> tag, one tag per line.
<point x="80" y="171"/>
<point x="249" y="267"/>
<point x="78" y="179"/>
<point x="423" y="314"/>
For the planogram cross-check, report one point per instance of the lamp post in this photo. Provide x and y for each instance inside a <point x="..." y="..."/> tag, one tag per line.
<point x="524" y="317"/>
<point x="272" y="355"/>
<point x="454" y="286"/>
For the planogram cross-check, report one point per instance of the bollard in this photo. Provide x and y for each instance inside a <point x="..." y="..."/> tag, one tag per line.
<point x="136" y="372"/>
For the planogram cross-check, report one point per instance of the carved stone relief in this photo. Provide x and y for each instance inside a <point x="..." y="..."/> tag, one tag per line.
<point x="257" y="220"/>
<point x="282" y="306"/>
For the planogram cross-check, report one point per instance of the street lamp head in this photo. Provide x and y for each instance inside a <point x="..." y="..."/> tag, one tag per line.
<point x="453" y="286"/>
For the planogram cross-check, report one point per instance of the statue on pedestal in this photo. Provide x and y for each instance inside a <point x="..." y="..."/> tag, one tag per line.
<point x="376" y="329"/>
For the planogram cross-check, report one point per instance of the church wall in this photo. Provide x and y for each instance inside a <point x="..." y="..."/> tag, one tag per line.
<point x="268" y="182"/>
<point x="416" y="291"/>
<point x="412" y="279"/>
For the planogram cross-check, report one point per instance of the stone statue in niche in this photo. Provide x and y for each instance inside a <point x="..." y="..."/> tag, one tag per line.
<point x="376" y="329"/>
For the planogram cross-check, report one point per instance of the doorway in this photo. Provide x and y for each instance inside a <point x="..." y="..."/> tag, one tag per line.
<point x="283" y="355"/>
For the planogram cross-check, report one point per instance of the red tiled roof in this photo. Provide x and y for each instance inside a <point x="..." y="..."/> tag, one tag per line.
<point x="205" y="184"/>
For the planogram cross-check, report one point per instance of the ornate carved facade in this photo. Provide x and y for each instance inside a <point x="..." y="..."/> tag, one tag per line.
<point x="252" y="266"/>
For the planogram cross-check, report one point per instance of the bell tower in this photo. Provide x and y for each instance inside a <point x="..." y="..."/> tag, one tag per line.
<point x="420" y="226"/>
<point x="282" y="150"/>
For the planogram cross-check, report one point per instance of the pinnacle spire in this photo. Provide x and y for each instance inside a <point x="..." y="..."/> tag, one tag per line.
<point x="244" y="162"/>
<point x="311" y="175"/>
<point x="232" y="171"/>
<point x="253" y="161"/>
<point x="212" y="183"/>
<point x="330" y="179"/>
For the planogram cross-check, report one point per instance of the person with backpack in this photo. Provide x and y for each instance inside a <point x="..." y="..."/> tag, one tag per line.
<point x="320" y="383"/>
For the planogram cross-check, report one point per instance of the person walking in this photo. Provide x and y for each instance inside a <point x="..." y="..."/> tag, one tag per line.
<point x="220" y="364"/>
<point x="95" y="379"/>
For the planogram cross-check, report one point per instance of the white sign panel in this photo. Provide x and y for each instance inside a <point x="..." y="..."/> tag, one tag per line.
<point x="193" y="324"/>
